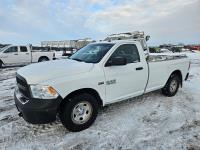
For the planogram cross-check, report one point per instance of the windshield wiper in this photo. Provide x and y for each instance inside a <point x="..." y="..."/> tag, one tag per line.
<point x="77" y="59"/>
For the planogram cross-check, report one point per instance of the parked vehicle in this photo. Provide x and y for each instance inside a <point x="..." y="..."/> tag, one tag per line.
<point x="97" y="75"/>
<point x="3" y="45"/>
<point x="69" y="51"/>
<point x="63" y="52"/>
<point x="12" y="55"/>
<point x="58" y="52"/>
<point x="164" y="50"/>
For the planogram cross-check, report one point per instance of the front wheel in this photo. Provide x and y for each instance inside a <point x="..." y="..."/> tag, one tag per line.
<point x="79" y="112"/>
<point x="171" y="86"/>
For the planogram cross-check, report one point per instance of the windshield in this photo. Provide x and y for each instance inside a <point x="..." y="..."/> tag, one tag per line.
<point x="4" y="48"/>
<point x="92" y="53"/>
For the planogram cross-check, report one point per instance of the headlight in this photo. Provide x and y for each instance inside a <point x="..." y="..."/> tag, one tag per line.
<point x="43" y="92"/>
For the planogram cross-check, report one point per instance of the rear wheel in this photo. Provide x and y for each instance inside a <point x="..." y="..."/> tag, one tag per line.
<point x="42" y="59"/>
<point x="79" y="113"/>
<point x="172" y="86"/>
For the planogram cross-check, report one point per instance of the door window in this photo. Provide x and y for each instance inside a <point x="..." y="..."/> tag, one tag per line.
<point x="23" y="49"/>
<point x="11" y="50"/>
<point x="128" y="51"/>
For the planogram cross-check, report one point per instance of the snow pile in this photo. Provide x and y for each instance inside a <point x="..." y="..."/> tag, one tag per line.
<point x="193" y="56"/>
<point x="151" y="121"/>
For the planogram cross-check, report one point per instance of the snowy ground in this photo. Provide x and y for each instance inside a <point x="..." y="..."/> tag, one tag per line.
<point x="152" y="121"/>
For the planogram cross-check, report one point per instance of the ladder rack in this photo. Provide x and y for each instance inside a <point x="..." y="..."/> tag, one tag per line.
<point x="126" y="36"/>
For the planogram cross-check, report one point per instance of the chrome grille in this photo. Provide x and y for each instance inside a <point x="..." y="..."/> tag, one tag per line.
<point x="22" y="86"/>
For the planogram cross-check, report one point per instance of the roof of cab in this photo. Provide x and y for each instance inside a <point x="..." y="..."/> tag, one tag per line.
<point x="118" y="41"/>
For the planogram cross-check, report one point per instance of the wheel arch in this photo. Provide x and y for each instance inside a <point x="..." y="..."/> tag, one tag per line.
<point x="80" y="91"/>
<point x="43" y="57"/>
<point x="179" y="74"/>
<point x="1" y="62"/>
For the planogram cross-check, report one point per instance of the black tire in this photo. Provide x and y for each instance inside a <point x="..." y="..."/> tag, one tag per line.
<point x="172" y="86"/>
<point x="67" y="116"/>
<point x="1" y="64"/>
<point x="42" y="59"/>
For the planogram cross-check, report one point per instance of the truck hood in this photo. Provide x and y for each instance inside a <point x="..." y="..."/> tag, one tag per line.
<point x="40" y="72"/>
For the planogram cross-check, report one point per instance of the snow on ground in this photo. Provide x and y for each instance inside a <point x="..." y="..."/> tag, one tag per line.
<point x="151" y="121"/>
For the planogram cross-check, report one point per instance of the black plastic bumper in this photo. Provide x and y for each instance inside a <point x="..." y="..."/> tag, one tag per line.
<point x="38" y="111"/>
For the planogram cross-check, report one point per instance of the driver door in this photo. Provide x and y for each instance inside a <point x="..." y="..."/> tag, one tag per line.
<point x="127" y="80"/>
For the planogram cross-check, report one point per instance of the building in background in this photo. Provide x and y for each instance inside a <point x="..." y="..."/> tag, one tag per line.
<point x="77" y="44"/>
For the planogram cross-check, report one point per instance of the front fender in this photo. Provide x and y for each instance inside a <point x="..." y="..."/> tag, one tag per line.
<point x="66" y="85"/>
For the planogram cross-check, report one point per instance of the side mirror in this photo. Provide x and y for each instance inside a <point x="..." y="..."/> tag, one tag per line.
<point x="147" y="37"/>
<point x="116" y="61"/>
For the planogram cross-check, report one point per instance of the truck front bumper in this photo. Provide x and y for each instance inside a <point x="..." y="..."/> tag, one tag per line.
<point x="37" y="111"/>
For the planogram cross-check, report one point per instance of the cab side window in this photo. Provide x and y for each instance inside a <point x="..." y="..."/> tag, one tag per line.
<point x="11" y="50"/>
<point x="23" y="49"/>
<point x="128" y="51"/>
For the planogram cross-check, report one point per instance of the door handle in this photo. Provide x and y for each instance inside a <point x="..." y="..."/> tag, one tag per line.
<point x="139" y="68"/>
<point x="27" y="53"/>
<point x="15" y="54"/>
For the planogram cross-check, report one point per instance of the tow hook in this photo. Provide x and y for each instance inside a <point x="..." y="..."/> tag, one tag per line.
<point x="20" y="114"/>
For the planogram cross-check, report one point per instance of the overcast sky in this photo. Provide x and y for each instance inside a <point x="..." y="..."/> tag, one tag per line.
<point x="32" y="21"/>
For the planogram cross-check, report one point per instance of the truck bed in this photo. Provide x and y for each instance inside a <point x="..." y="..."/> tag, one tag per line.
<point x="161" y="65"/>
<point x="165" y="56"/>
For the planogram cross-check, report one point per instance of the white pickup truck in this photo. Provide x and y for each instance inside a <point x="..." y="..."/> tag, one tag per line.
<point x="12" y="55"/>
<point x="97" y="75"/>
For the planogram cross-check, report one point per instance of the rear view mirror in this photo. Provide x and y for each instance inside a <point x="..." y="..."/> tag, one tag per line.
<point x="116" y="61"/>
